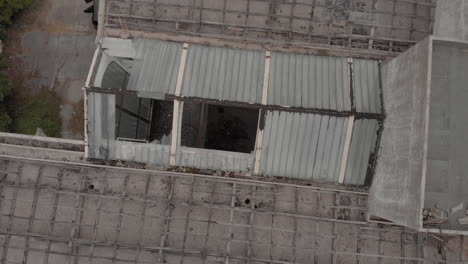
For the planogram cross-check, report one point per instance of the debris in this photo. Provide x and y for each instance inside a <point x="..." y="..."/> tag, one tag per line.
<point x="40" y="132"/>
<point x="456" y="208"/>
<point x="463" y="221"/>
<point x="435" y="216"/>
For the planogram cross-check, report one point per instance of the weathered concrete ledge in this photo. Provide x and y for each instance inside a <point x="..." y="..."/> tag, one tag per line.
<point x="42" y="142"/>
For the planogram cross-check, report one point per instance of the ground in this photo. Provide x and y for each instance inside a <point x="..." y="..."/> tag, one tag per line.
<point x="51" y="45"/>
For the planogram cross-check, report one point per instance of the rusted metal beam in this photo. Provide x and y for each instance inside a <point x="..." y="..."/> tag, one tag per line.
<point x="94" y="89"/>
<point x="318" y="111"/>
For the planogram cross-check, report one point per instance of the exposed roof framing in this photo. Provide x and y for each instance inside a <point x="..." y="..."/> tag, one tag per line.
<point x="380" y="25"/>
<point x="307" y="103"/>
<point x="59" y="213"/>
<point x="329" y="112"/>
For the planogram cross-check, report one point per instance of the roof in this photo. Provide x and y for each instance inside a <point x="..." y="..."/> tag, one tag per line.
<point x="451" y="20"/>
<point x="396" y="192"/>
<point x="370" y="26"/>
<point x="308" y="104"/>
<point x="58" y="211"/>
<point x="445" y="185"/>
<point x="423" y="152"/>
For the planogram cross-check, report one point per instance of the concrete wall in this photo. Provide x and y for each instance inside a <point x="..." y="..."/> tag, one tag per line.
<point x="395" y="193"/>
<point x="446" y="181"/>
<point x="451" y="19"/>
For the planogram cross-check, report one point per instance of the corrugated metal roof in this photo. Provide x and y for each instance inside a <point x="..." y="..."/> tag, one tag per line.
<point x="142" y="152"/>
<point x="366" y="86"/>
<point x="119" y="47"/>
<point x="102" y="142"/>
<point x="362" y="145"/>
<point x="156" y="66"/>
<point x="224" y="74"/>
<point x="214" y="159"/>
<point x="93" y="126"/>
<point x="237" y="75"/>
<point x="304" y="146"/>
<point x="296" y="145"/>
<point x="101" y="120"/>
<point x="309" y="81"/>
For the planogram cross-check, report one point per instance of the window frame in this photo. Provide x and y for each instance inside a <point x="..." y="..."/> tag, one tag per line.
<point x="138" y="118"/>
<point x="207" y="105"/>
<point x="119" y="107"/>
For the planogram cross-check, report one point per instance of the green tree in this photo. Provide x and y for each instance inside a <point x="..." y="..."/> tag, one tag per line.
<point x="41" y="110"/>
<point x="5" y="87"/>
<point x="8" y="9"/>
<point x="5" y="120"/>
<point x="5" y="94"/>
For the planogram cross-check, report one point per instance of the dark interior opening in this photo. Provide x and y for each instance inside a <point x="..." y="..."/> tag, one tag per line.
<point x="161" y="122"/>
<point x="115" y="77"/>
<point x="219" y="127"/>
<point x="143" y="119"/>
<point x="136" y="118"/>
<point x="133" y="117"/>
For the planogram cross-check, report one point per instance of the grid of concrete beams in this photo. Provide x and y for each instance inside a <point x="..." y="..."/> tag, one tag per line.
<point x="385" y="25"/>
<point x="62" y="213"/>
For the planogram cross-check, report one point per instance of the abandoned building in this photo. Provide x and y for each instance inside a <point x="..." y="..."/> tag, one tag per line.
<point x="273" y="114"/>
<point x="253" y="131"/>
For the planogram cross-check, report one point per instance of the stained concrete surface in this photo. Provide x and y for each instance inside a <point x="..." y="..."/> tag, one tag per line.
<point x="446" y="178"/>
<point x="395" y="194"/>
<point x="451" y="20"/>
<point x="419" y="168"/>
<point x="77" y="214"/>
<point x="383" y="25"/>
<point x="53" y="211"/>
<point x="42" y="142"/>
<point x="52" y="46"/>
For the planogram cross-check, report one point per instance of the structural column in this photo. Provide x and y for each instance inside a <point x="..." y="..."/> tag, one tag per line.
<point x="262" y="115"/>
<point x="85" y="99"/>
<point x="177" y="107"/>
<point x="349" y="130"/>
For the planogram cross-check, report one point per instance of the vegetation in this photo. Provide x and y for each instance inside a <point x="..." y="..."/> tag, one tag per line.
<point x="8" y="9"/>
<point x="21" y="112"/>
<point x="5" y="97"/>
<point x="41" y="110"/>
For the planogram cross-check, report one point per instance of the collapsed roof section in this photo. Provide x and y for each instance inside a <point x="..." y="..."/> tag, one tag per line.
<point x="368" y="25"/>
<point x="272" y="114"/>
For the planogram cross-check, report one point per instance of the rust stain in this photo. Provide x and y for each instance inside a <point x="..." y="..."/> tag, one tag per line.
<point x="57" y="27"/>
<point x="323" y="53"/>
<point x="76" y="124"/>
